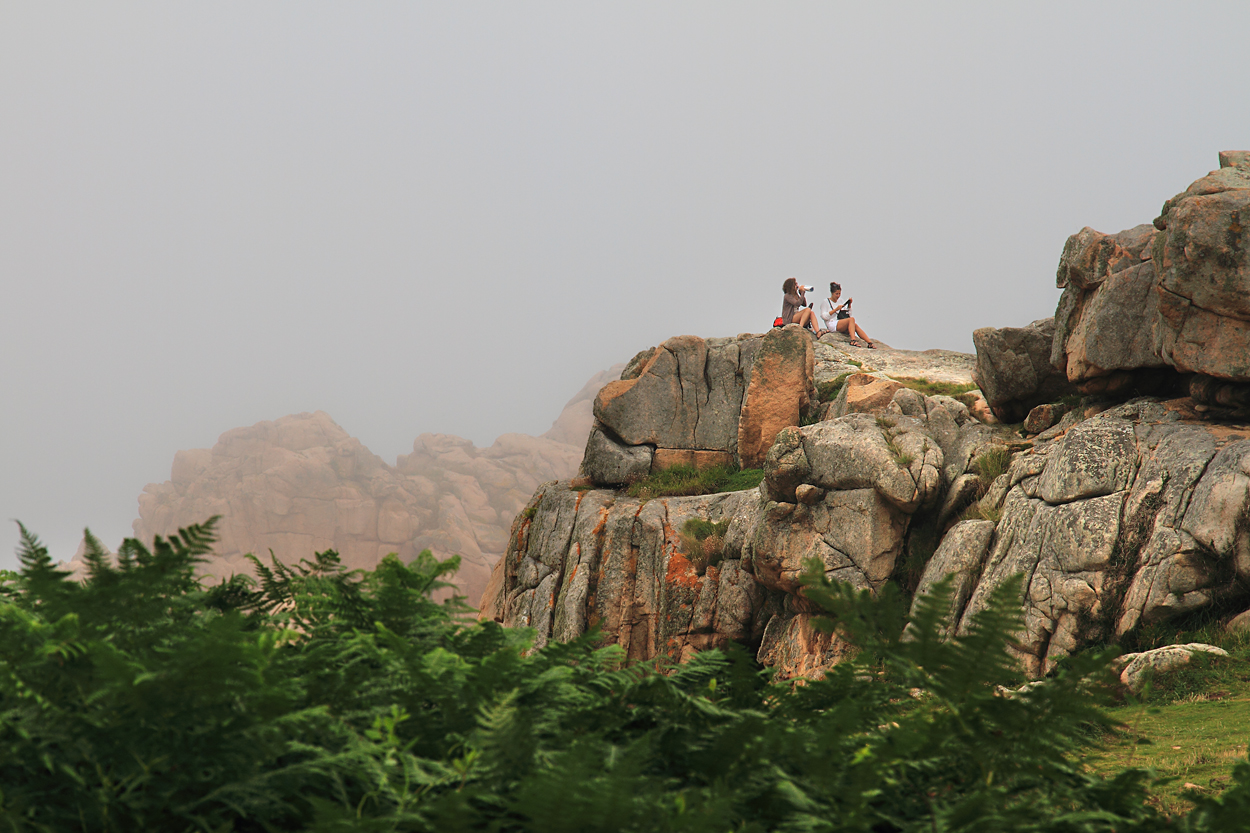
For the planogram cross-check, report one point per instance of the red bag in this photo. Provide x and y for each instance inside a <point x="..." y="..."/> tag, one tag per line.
<point x="777" y="322"/>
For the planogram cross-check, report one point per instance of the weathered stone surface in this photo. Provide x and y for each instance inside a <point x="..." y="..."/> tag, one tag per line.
<point x="856" y="534"/>
<point x="607" y="460"/>
<point x="897" y="458"/>
<point x="864" y="394"/>
<point x="779" y="391"/>
<point x="1136" y="669"/>
<point x="786" y="465"/>
<point x="666" y="458"/>
<point x="597" y="557"/>
<point x="960" y="555"/>
<point x="1218" y="515"/>
<point x="1097" y="457"/>
<point x="1013" y="368"/>
<point x="794" y="647"/>
<point x="687" y="394"/>
<point x="1204" y="274"/>
<point x="1106" y="319"/>
<point x="1043" y="417"/>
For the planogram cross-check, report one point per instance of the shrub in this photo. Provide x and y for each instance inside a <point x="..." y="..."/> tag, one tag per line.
<point x="703" y="542"/>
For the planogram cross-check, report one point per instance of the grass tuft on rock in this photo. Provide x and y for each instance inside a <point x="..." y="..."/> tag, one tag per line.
<point x="928" y="388"/>
<point x="679" y="481"/>
<point x="703" y="542"/>
<point x="992" y="464"/>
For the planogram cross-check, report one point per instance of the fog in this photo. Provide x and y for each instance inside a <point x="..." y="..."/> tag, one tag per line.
<point x="446" y="217"/>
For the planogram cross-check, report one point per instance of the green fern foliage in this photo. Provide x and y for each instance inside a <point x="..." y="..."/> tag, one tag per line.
<point x="319" y="698"/>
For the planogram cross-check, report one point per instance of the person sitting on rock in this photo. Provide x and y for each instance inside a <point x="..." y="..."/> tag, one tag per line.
<point x="794" y="308"/>
<point x="838" y="317"/>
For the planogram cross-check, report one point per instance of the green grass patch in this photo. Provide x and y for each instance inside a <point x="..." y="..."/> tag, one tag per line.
<point x="992" y="464"/>
<point x="828" y="391"/>
<point x="928" y="388"/>
<point x="978" y="510"/>
<point x="681" y="481"/>
<point x="1190" y="725"/>
<point x="1196" y="741"/>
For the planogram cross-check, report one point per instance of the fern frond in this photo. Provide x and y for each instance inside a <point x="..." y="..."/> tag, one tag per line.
<point x="96" y="557"/>
<point x="31" y="553"/>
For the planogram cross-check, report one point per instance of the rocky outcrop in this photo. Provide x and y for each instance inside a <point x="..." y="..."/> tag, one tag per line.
<point x="1014" y="368"/>
<point x="698" y="402"/>
<point x="1153" y="301"/>
<point x="1204" y="275"/>
<point x="1117" y="514"/>
<point x="842" y="491"/>
<point x="301" y="484"/>
<point x="1107" y="318"/>
<point x="685" y="395"/>
<point x="1134" y="516"/>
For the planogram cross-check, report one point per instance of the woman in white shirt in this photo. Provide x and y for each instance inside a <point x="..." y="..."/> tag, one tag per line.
<point x="837" y="317"/>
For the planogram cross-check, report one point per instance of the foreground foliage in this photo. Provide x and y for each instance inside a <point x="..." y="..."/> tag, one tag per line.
<point x="325" y="699"/>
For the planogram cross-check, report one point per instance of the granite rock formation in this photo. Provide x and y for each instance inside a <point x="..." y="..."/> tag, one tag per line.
<point x="1158" y="305"/>
<point x="1014" y="368"/>
<point x="301" y="484"/>
<point x="1122" y="510"/>
<point x="843" y="491"/>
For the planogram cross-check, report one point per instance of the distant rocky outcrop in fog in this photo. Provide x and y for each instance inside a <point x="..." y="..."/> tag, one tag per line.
<point x="301" y="484"/>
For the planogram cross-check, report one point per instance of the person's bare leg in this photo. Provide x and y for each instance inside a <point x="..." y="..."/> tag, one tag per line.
<point x="805" y="318"/>
<point x="864" y="335"/>
<point x="847" y="326"/>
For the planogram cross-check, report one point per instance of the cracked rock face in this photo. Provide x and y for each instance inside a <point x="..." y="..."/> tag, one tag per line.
<point x="847" y="490"/>
<point x="1204" y="274"/>
<point x="1115" y="524"/>
<point x="687" y="394"/>
<point x="1139" y="305"/>
<point x="586" y="558"/>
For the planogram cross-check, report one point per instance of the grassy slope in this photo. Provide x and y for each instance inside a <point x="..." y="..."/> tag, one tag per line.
<point x="1190" y="727"/>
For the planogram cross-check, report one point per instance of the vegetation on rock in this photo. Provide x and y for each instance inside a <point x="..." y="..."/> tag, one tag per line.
<point x="678" y="481"/>
<point x="929" y="388"/>
<point x="703" y="542"/>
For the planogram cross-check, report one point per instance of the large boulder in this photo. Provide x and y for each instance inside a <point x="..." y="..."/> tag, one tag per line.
<point x="687" y="394"/>
<point x="779" y="391"/>
<point x="1108" y="314"/>
<point x="1204" y="275"/>
<point x="1014" y="371"/>
<point x="609" y="461"/>
<point x="580" y="559"/>
<point x="1134" y="516"/>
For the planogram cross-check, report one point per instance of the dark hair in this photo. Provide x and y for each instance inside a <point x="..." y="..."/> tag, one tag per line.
<point x="834" y="287"/>
<point x="790" y="287"/>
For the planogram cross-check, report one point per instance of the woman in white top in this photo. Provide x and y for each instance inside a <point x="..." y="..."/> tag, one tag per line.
<point x="829" y="313"/>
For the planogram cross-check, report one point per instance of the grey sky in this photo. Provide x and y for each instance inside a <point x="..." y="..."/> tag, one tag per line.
<point x="446" y="217"/>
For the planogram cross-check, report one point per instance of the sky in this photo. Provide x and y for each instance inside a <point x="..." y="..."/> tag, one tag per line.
<point x="446" y="217"/>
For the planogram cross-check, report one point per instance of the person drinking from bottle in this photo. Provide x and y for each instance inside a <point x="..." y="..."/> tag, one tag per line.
<point x="794" y="308"/>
